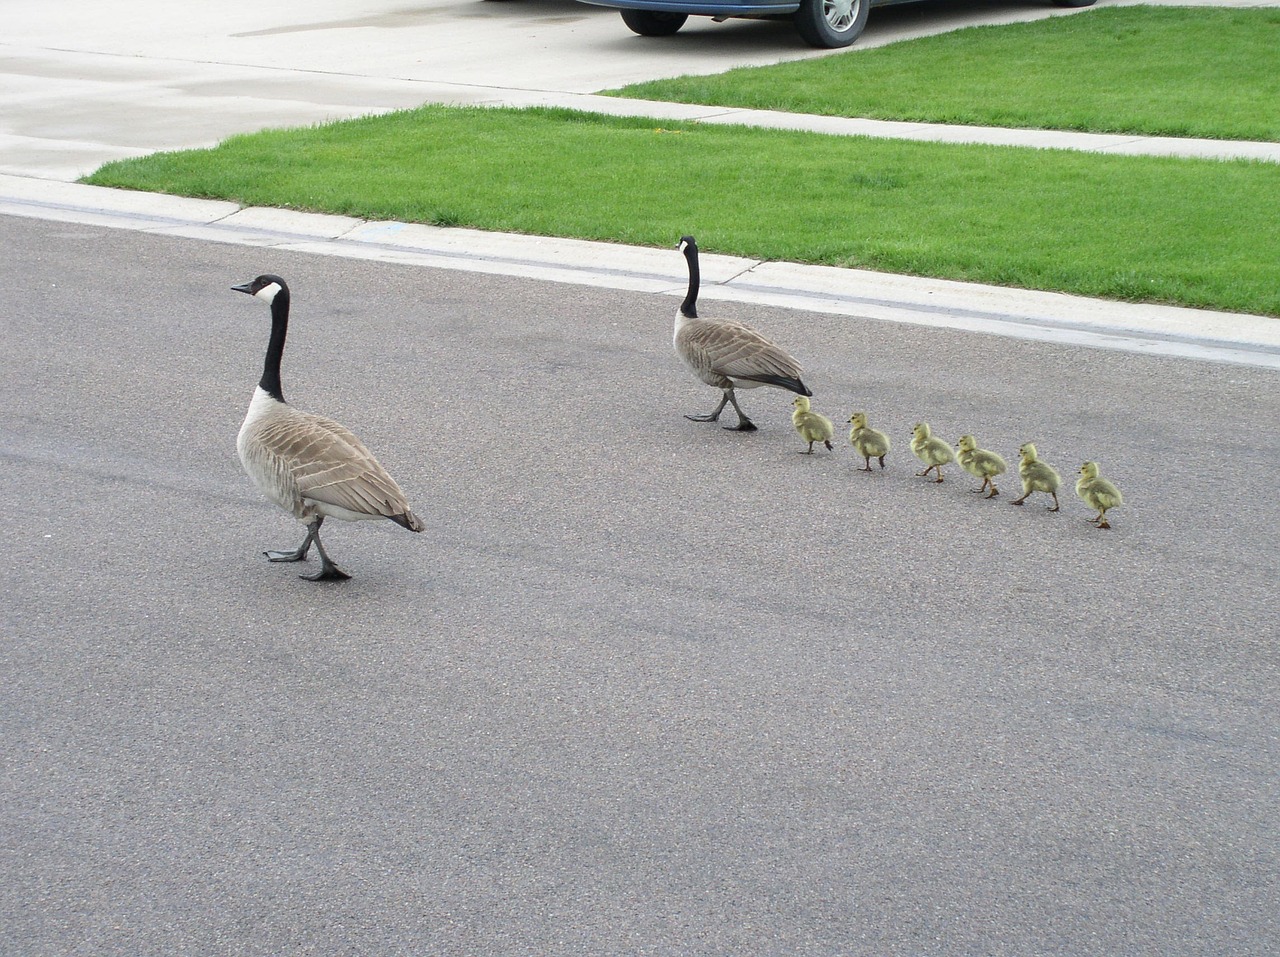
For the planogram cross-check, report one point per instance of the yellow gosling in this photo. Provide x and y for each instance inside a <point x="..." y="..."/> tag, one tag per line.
<point x="981" y="464"/>
<point x="812" y="426"/>
<point x="869" y="443"/>
<point x="930" y="450"/>
<point x="1097" y="492"/>
<point x="1036" y="476"/>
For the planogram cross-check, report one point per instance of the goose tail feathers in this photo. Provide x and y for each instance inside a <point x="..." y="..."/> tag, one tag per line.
<point x="790" y="383"/>
<point x="409" y="521"/>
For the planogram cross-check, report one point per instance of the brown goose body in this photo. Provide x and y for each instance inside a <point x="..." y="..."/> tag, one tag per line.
<point x="726" y="354"/>
<point x="311" y="465"/>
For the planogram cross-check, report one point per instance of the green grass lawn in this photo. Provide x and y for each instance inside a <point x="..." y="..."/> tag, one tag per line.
<point x="1198" y="233"/>
<point x="1163" y="71"/>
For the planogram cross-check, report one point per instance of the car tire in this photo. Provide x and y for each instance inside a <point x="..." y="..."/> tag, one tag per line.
<point x="831" y="23"/>
<point x="653" y="23"/>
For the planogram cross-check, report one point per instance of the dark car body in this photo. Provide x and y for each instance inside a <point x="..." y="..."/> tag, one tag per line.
<point x="822" y="23"/>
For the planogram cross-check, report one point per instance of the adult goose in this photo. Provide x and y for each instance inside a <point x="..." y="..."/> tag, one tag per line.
<point x="726" y="354"/>
<point x="307" y="464"/>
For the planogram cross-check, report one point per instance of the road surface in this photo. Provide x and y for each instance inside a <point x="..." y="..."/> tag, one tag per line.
<point x="643" y="686"/>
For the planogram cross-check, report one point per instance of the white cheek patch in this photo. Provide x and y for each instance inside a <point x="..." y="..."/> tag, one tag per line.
<point x="268" y="292"/>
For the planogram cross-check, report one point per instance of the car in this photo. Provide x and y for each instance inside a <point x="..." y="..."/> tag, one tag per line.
<point x="827" y="24"/>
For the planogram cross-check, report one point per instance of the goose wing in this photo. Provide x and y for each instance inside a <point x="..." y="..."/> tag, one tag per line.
<point x="736" y="351"/>
<point x="331" y="466"/>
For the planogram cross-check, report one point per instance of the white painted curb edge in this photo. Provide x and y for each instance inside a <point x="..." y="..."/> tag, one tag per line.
<point x="1052" y="317"/>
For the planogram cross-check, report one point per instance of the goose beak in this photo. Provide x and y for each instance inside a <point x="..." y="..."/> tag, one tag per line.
<point x="246" y="287"/>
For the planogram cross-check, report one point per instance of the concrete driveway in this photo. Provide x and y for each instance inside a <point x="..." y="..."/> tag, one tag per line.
<point x="84" y="83"/>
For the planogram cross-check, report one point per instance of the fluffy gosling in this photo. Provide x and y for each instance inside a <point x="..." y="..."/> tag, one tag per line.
<point x="1036" y="476"/>
<point x="1097" y="492"/>
<point x="869" y="443"/>
<point x="812" y="426"/>
<point x="981" y="464"/>
<point x="930" y="450"/>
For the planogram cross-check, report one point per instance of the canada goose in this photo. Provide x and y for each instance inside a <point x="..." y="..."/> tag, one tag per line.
<point x="812" y="426"/>
<point x="309" y="465"/>
<point x="1036" y="476"/>
<point x="726" y="354"/>
<point x="869" y="443"/>
<point x="981" y="464"/>
<point x="932" y="451"/>
<point x="1097" y="493"/>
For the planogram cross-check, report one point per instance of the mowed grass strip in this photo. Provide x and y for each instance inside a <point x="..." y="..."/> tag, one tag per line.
<point x="1159" y="71"/>
<point x="1198" y="233"/>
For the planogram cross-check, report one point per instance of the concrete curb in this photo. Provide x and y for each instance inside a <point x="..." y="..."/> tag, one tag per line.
<point x="1050" y="317"/>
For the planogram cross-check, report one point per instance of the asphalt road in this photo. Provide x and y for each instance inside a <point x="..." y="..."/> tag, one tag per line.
<point x="643" y="686"/>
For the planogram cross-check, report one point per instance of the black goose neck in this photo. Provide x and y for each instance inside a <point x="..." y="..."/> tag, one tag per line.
<point x="270" y="381"/>
<point x="689" y="308"/>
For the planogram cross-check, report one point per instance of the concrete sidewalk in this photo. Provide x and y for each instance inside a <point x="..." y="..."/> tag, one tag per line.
<point x="82" y="84"/>
<point x="66" y="141"/>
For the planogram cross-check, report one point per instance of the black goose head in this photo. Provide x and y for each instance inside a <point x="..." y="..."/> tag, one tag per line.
<point x="266" y="286"/>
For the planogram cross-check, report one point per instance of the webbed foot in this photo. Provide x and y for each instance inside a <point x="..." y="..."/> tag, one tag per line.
<point x="328" y="573"/>
<point x="297" y="555"/>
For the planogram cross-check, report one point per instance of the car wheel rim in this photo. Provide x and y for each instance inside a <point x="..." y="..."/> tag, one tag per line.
<point x="839" y="13"/>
